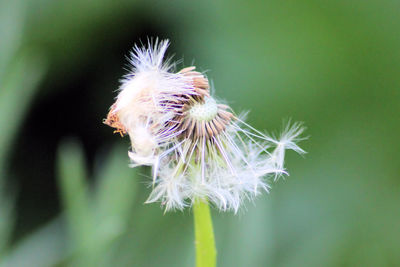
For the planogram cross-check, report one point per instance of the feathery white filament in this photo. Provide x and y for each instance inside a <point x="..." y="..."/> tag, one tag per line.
<point x="229" y="169"/>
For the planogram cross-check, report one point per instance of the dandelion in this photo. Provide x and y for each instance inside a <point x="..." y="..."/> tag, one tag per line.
<point x="199" y="149"/>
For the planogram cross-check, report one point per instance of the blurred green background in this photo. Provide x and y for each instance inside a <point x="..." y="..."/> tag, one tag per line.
<point x="67" y="197"/>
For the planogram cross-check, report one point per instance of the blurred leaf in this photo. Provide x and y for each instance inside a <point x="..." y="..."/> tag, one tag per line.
<point x="7" y="216"/>
<point x="116" y="187"/>
<point x="12" y="18"/>
<point x="113" y="202"/>
<point x="44" y="247"/>
<point x="95" y="219"/>
<point x="72" y="175"/>
<point x="17" y="90"/>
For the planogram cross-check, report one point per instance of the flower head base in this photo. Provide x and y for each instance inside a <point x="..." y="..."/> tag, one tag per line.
<point x="205" y="111"/>
<point x="197" y="147"/>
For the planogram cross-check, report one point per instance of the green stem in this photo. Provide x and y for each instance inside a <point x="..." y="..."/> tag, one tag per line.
<point x="204" y="236"/>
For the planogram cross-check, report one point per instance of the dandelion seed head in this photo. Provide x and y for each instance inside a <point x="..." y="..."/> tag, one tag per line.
<point x="197" y="147"/>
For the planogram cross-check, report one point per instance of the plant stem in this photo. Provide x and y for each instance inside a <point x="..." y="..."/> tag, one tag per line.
<point x="204" y="236"/>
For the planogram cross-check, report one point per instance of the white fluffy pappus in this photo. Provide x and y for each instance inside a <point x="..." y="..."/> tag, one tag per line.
<point x="227" y="169"/>
<point x="197" y="147"/>
<point x="150" y="96"/>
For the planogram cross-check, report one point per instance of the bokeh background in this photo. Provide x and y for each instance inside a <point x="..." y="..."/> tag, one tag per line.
<point x="67" y="197"/>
